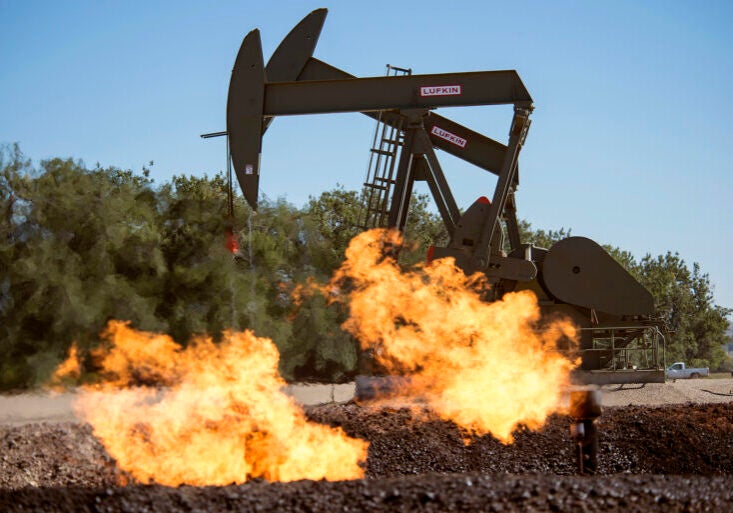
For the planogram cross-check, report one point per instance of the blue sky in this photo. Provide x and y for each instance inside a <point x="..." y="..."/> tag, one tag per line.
<point x="631" y="137"/>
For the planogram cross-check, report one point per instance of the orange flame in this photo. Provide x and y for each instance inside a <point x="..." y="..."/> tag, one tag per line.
<point x="221" y="418"/>
<point x="67" y="372"/>
<point x="483" y="365"/>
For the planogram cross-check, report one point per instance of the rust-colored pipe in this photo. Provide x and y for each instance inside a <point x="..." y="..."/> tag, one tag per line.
<point x="585" y="408"/>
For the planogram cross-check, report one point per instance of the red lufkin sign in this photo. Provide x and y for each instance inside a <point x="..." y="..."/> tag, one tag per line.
<point x="451" y="138"/>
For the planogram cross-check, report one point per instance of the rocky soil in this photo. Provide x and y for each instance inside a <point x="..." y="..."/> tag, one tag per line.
<point x="668" y="458"/>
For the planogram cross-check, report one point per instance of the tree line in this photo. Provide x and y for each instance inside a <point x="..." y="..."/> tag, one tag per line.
<point x="80" y="246"/>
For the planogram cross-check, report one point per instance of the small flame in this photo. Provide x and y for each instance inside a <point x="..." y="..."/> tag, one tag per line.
<point x="220" y="418"/>
<point x="232" y="243"/>
<point x="67" y="372"/>
<point x="485" y="366"/>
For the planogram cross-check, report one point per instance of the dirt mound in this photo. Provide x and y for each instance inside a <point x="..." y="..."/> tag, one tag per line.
<point x="676" y="458"/>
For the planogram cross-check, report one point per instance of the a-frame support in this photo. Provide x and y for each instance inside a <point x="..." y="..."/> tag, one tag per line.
<point x="419" y="162"/>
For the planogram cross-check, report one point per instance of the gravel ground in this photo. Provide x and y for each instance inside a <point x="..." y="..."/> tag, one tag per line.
<point x="667" y="458"/>
<point x="680" y="391"/>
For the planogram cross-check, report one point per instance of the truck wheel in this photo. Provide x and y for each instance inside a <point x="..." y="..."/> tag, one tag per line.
<point x="694" y="375"/>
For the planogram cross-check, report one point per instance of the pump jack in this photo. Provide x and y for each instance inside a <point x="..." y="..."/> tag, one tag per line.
<point x="575" y="278"/>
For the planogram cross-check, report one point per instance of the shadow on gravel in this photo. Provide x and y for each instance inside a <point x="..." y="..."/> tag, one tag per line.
<point x="626" y="387"/>
<point x="717" y="393"/>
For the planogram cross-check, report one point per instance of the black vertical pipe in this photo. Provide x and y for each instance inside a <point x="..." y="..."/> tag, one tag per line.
<point x="585" y="408"/>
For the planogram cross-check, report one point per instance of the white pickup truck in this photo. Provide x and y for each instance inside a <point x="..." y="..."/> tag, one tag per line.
<point x="678" y="370"/>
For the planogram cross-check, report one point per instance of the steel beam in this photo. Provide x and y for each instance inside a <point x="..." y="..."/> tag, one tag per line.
<point x="403" y="186"/>
<point x="405" y="92"/>
<point x="464" y="143"/>
<point x="517" y="135"/>
<point x="442" y="194"/>
<point x="512" y="226"/>
<point x="478" y="150"/>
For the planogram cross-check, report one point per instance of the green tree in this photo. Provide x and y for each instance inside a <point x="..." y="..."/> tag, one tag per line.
<point x="79" y="245"/>
<point x="293" y="248"/>
<point x="540" y="238"/>
<point x="335" y="214"/>
<point x="201" y="290"/>
<point x="332" y="221"/>
<point x="684" y="300"/>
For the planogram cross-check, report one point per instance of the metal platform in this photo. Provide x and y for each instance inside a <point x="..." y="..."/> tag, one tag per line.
<point x="617" y="377"/>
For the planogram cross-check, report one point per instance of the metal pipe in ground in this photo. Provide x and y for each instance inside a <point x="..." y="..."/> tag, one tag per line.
<point x="585" y="408"/>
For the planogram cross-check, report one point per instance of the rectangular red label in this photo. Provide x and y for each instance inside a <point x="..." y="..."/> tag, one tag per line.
<point x="444" y="90"/>
<point x="451" y="138"/>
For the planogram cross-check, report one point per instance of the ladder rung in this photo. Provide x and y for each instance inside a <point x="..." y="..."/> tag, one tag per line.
<point x="393" y="141"/>
<point x="375" y="186"/>
<point x="383" y="152"/>
<point x="405" y="71"/>
<point x="385" y="180"/>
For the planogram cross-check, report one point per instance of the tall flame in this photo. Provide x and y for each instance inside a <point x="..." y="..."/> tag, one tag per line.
<point x="486" y="366"/>
<point x="220" y="418"/>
